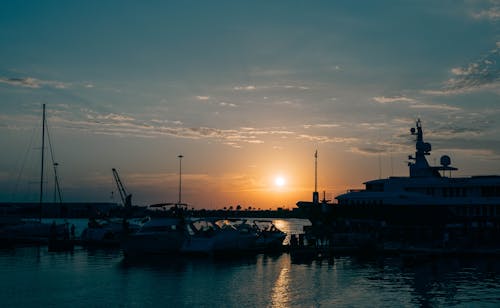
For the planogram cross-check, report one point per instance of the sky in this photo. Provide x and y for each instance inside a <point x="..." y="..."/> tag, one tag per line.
<point x="246" y="91"/>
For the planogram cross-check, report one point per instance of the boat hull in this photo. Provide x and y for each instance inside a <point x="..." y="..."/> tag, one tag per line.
<point x="153" y="244"/>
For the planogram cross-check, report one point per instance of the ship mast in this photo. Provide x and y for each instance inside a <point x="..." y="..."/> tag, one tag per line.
<point x="180" y="179"/>
<point x="315" y="193"/>
<point x="316" y="171"/>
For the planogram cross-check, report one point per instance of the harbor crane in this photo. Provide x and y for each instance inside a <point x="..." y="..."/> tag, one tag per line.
<point x="126" y="197"/>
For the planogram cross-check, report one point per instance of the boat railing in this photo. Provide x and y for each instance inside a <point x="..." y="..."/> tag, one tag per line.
<point x="355" y="190"/>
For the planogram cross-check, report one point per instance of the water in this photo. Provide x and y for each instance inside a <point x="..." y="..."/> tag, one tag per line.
<point x="33" y="277"/>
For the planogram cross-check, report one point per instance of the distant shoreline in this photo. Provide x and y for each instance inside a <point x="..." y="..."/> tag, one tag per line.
<point x="112" y="210"/>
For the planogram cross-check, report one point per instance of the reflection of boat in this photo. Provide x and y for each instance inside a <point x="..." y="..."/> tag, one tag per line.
<point x="427" y="209"/>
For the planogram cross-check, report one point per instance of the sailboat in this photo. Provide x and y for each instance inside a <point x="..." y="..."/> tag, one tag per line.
<point x="34" y="231"/>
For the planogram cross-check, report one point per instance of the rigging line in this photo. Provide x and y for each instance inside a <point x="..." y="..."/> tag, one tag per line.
<point x="58" y="188"/>
<point x="23" y="164"/>
<point x="50" y="143"/>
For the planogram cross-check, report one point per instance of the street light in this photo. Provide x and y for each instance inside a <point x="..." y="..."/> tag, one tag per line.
<point x="180" y="178"/>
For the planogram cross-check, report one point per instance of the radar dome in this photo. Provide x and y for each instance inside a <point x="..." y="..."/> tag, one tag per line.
<point x="445" y="160"/>
<point x="427" y="147"/>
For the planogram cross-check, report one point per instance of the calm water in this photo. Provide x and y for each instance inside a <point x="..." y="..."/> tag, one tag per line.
<point x="33" y="277"/>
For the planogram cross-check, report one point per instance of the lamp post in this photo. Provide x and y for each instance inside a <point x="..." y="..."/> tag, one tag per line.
<point x="180" y="178"/>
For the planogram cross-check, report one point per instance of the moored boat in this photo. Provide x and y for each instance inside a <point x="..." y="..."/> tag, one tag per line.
<point x="269" y="237"/>
<point x="158" y="236"/>
<point x="20" y="231"/>
<point x="107" y="232"/>
<point x="427" y="209"/>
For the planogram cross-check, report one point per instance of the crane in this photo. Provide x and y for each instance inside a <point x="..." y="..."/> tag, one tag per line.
<point x="126" y="197"/>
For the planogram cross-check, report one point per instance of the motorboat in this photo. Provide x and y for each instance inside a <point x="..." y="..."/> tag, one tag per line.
<point x="158" y="236"/>
<point x="269" y="237"/>
<point x="216" y="236"/>
<point x="107" y="232"/>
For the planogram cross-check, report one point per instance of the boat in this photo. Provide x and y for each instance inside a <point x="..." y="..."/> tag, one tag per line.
<point x="28" y="232"/>
<point x="158" y="236"/>
<point x="107" y="232"/>
<point x="31" y="231"/>
<point x="213" y="236"/>
<point x="181" y="235"/>
<point x="429" y="209"/>
<point x="269" y="237"/>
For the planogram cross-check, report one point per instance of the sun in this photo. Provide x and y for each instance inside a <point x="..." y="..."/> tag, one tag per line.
<point x="279" y="181"/>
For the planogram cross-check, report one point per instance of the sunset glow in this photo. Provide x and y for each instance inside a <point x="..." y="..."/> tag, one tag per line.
<point x="246" y="93"/>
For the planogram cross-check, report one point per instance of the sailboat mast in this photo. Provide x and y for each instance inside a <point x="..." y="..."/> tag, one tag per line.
<point x="43" y="158"/>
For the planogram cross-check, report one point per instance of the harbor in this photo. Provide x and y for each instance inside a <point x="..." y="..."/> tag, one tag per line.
<point x="86" y="276"/>
<point x="423" y="216"/>
<point x="242" y="154"/>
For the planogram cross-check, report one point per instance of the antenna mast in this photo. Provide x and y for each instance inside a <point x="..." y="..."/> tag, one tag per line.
<point x="315" y="193"/>
<point x="180" y="178"/>
<point x="316" y="171"/>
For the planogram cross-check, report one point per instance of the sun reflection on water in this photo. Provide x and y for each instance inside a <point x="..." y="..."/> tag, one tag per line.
<point x="280" y="292"/>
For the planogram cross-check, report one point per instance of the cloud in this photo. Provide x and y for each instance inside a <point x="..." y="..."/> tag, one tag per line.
<point x="395" y="99"/>
<point x="484" y="73"/>
<point x="287" y="86"/>
<point x="492" y="13"/>
<point x="202" y="98"/>
<point x="321" y="125"/>
<point x="326" y="139"/>
<point x="367" y="150"/>
<point x="413" y="103"/>
<point x="114" y="117"/>
<point x="224" y="104"/>
<point x="244" y="88"/>
<point x="270" y="87"/>
<point x="33" y="83"/>
<point x="22" y="82"/>
<point x="259" y="72"/>
<point x="122" y="125"/>
<point x="126" y="125"/>
<point x="166" y="121"/>
<point x="485" y="154"/>
<point x="436" y="107"/>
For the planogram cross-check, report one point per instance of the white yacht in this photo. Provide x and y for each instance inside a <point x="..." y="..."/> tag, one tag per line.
<point x="428" y="187"/>
<point x="428" y="206"/>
